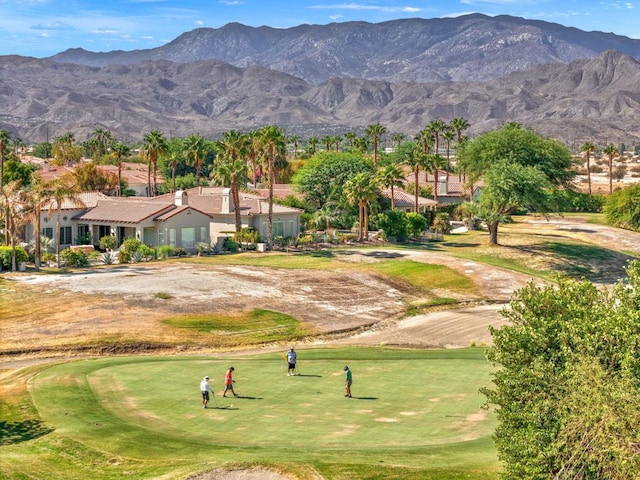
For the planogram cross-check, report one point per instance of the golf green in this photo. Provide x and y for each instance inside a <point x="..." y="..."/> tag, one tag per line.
<point x="404" y="401"/>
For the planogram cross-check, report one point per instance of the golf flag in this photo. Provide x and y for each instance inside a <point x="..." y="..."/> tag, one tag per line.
<point x="284" y="356"/>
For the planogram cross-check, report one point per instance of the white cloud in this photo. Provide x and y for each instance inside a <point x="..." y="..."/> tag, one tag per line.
<point x="361" y="6"/>
<point x="105" y="31"/>
<point x="52" y="26"/>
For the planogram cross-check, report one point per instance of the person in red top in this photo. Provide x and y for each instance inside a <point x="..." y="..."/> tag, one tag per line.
<point x="228" y="382"/>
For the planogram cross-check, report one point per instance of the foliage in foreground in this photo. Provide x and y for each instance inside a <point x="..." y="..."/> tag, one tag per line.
<point x="567" y="390"/>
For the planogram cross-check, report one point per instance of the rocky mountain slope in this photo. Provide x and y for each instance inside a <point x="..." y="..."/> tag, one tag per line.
<point x="467" y="48"/>
<point x="595" y="99"/>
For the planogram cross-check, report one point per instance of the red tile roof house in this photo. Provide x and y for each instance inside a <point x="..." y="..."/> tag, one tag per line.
<point x="181" y="220"/>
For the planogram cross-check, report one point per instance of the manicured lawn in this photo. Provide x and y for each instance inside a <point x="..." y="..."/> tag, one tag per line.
<point x="415" y="414"/>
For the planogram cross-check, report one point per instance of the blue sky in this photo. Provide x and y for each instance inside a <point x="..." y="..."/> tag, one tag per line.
<point x="42" y="28"/>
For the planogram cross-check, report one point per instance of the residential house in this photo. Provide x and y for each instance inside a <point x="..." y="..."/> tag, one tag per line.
<point x="181" y="220"/>
<point x="450" y="188"/>
<point x="406" y="201"/>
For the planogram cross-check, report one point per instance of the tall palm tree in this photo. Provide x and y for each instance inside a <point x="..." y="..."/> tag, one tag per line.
<point x="120" y="151"/>
<point x="295" y="141"/>
<point x="350" y="138"/>
<point x="252" y="152"/>
<point x="391" y="176"/>
<point x="14" y="207"/>
<point x="155" y="144"/>
<point x="4" y="140"/>
<point x="231" y="168"/>
<point x="459" y="125"/>
<point x="272" y="139"/>
<point x="196" y="149"/>
<point x="361" y="190"/>
<point x="588" y="148"/>
<point x="411" y="154"/>
<point x="328" y="141"/>
<point x="39" y="197"/>
<point x="448" y="135"/>
<point x="612" y="152"/>
<point x="435" y="162"/>
<point x="5" y="136"/>
<point x="63" y="189"/>
<point x="398" y="138"/>
<point x="437" y="127"/>
<point x="103" y="139"/>
<point x="312" y="144"/>
<point x="375" y="132"/>
<point x="232" y="173"/>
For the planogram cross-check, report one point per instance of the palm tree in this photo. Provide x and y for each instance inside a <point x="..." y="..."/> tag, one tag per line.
<point x="312" y="144"/>
<point x="350" y="137"/>
<point x="328" y="141"/>
<point x="448" y="136"/>
<point x="398" y="138"/>
<point x="273" y="144"/>
<point x="295" y="140"/>
<point x="154" y="145"/>
<point x="436" y="126"/>
<point x="15" y="211"/>
<point x="232" y="173"/>
<point x="391" y="176"/>
<point x="459" y="125"/>
<point x="232" y="168"/>
<point x="196" y="149"/>
<point x="588" y="148"/>
<point x="63" y="189"/>
<point x="120" y="151"/>
<point x="4" y="141"/>
<point x="411" y="154"/>
<point x="611" y="151"/>
<point x="375" y="132"/>
<point x="39" y="196"/>
<point x="435" y="162"/>
<point x="361" y="190"/>
<point x="103" y="140"/>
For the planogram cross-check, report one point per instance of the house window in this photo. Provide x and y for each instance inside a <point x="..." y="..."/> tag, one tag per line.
<point x="65" y="236"/>
<point x="204" y="234"/>
<point x="278" y="229"/>
<point x="103" y="231"/>
<point x="292" y="228"/>
<point x="47" y="232"/>
<point x="188" y="235"/>
<point x="172" y="237"/>
<point x="161" y="237"/>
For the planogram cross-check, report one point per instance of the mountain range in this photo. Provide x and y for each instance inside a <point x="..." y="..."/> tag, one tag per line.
<point x="326" y="79"/>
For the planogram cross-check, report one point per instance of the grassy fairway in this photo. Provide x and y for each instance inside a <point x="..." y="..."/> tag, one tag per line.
<point x="415" y="414"/>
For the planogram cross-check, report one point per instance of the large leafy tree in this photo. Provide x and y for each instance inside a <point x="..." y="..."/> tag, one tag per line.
<point x="567" y="383"/>
<point x="622" y="208"/>
<point x="519" y="168"/>
<point x="323" y="176"/>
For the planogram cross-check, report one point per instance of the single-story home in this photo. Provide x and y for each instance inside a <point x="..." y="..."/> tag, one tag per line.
<point x="181" y="219"/>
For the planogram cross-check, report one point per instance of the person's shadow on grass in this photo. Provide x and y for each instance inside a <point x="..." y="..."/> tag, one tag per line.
<point x="364" y="398"/>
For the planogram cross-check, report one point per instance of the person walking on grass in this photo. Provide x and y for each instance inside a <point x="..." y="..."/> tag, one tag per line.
<point x="228" y="383"/>
<point x="205" y="388"/>
<point x="348" y="380"/>
<point x="291" y="359"/>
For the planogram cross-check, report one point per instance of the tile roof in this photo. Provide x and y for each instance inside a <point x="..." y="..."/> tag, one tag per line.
<point x="406" y="199"/>
<point x="125" y="210"/>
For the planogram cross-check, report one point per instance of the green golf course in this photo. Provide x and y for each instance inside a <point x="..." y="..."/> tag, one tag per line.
<point x="414" y="414"/>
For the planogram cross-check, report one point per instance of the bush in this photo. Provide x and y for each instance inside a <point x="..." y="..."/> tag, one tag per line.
<point x="108" y="242"/>
<point x="128" y="248"/>
<point x="230" y="245"/>
<point x="393" y="224"/>
<point x="165" y="251"/>
<point x="442" y="223"/>
<point x="74" y="258"/>
<point x="416" y="224"/>
<point x="6" y="254"/>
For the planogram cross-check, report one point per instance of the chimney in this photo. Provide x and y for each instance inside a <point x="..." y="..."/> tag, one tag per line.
<point x="181" y="199"/>
<point x="227" y="201"/>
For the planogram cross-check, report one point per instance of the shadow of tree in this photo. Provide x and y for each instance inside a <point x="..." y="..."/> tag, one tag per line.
<point x="16" y="432"/>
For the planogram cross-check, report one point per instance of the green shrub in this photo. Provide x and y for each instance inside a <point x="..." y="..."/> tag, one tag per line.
<point x="393" y="224"/>
<point x="128" y="248"/>
<point x="230" y="245"/>
<point x="108" y="242"/>
<point x="6" y="254"/>
<point x="442" y="223"/>
<point x="74" y="258"/>
<point x="165" y="251"/>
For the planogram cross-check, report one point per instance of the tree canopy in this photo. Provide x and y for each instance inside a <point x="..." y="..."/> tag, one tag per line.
<point x="568" y="380"/>
<point x="324" y="175"/>
<point x="519" y="169"/>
